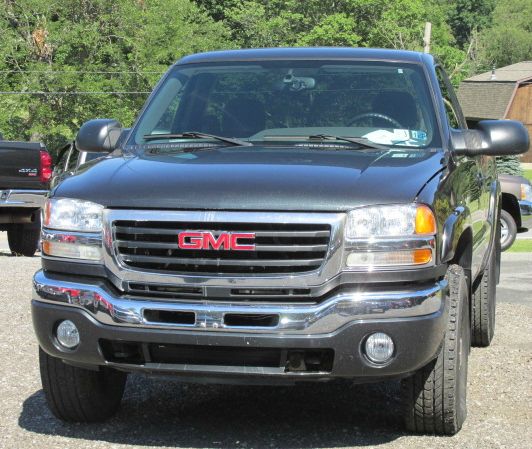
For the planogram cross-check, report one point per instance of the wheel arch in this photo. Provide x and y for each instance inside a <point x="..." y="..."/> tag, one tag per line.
<point x="457" y="243"/>
<point x="456" y="228"/>
<point x="509" y="204"/>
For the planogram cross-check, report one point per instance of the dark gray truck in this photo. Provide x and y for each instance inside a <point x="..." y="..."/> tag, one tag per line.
<point x="25" y="173"/>
<point x="277" y="216"/>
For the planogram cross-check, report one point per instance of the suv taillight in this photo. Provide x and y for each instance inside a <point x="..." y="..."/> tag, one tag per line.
<point x="46" y="166"/>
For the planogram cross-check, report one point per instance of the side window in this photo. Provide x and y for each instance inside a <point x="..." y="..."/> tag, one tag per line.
<point x="161" y="112"/>
<point x="66" y="159"/>
<point x="70" y="163"/>
<point x="452" y="108"/>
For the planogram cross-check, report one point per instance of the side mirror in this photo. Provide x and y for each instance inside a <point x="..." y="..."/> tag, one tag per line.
<point x="492" y="138"/>
<point x="98" y="136"/>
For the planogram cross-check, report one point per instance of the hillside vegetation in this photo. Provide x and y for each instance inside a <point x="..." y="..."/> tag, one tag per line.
<point x="65" y="61"/>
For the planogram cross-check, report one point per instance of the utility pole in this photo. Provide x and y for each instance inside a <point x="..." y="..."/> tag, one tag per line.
<point x="426" y="37"/>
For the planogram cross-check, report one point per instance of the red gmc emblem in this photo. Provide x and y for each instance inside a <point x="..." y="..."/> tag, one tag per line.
<point x="207" y="240"/>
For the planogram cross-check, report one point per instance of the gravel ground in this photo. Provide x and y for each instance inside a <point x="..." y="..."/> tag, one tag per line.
<point x="159" y="413"/>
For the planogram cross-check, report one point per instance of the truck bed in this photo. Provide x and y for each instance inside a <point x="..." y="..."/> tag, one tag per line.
<point x="20" y="165"/>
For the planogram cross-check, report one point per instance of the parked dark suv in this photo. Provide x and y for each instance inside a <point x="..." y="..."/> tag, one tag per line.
<point x="277" y="216"/>
<point x="516" y="213"/>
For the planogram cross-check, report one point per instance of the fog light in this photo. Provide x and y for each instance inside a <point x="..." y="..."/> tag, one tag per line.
<point x="379" y="347"/>
<point x="67" y="334"/>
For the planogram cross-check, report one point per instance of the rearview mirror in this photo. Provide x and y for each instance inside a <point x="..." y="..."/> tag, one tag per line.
<point x="492" y="138"/>
<point x="98" y="136"/>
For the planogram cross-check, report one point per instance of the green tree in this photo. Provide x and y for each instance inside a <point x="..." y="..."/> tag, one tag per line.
<point x="510" y="165"/>
<point x="90" y="46"/>
<point x="466" y="16"/>
<point x="509" y="40"/>
<point x="363" y="23"/>
<point x="217" y="8"/>
<point x="336" y="29"/>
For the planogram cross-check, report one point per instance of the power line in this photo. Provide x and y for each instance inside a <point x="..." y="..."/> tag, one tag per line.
<point x="74" y="93"/>
<point x="83" y="71"/>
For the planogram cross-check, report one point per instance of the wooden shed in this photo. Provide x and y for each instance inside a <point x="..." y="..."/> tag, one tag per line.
<point x="504" y="93"/>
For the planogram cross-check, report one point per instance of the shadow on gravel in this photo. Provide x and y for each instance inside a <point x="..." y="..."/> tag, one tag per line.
<point x="158" y="412"/>
<point x="8" y="253"/>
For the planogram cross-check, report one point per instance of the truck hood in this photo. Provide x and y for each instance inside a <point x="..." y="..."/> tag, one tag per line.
<point x="256" y="178"/>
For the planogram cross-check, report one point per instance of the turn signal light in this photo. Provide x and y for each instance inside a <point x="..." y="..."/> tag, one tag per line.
<point x="425" y="221"/>
<point x="71" y="250"/>
<point x="419" y="256"/>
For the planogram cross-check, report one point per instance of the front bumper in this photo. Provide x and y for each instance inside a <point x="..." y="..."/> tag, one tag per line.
<point x="526" y="213"/>
<point x="23" y="198"/>
<point x="414" y="317"/>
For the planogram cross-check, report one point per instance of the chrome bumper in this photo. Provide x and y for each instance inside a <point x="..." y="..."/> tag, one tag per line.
<point x="327" y="316"/>
<point x="526" y="213"/>
<point x="22" y="198"/>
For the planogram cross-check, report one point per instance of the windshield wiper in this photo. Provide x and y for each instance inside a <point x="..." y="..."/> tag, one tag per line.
<point x="198" y="135"/>
<point x="362" y="141"/>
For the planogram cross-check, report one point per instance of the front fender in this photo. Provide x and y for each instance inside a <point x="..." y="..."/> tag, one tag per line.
<point x="460" y="220"/>
<point x="495" y="200"/>
<point x="453" y="228"/>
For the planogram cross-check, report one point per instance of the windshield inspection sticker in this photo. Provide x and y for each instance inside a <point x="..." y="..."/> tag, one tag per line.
<point x="419" y="135"/>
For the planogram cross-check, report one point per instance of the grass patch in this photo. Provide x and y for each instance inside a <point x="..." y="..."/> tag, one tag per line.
<point x="521" y="246"/>
<point x="528" y="174"/>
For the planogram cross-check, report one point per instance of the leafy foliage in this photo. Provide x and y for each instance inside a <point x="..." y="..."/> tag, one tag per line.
<point x="56" y="50"/>
<point x="510" y="39"/>
<point x="364" y="23"/>
<point x="467" y="16"/>
<point x="59" y="49"/>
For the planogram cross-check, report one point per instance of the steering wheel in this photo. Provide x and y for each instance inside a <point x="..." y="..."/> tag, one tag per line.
<point x="376" y="115"/>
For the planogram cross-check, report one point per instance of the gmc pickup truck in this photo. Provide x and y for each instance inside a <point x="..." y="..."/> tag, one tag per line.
<point x="25" y="173"/>
<point x="277" y="216"/>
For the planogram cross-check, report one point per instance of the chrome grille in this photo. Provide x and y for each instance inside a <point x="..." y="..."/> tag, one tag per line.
<point x="279" y="247"/>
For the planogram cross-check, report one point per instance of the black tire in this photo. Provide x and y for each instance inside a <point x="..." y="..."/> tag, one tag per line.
<point x="435" y="396"/>
<point x="23" y="239"/>
<point x="483" y="305"/>
<point x="508" y="230"/>
<point x="80" y="395"/>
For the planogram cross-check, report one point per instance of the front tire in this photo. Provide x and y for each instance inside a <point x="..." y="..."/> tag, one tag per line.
<point x="435" y="396"/>
<point x="80" y="395"/>
<point x="483" y="305"/>
<point x="508" y="230"/>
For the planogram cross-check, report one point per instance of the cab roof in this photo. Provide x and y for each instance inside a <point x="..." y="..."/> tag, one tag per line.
<point x="326" y="53"/>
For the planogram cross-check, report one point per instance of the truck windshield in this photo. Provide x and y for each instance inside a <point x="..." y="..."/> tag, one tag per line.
<point x="289" y="102"/>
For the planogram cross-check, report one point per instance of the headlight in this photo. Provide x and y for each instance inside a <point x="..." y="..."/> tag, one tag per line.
<point x="73" y="215"/>
<point x="526" y="192"/>
<point x="390" y="221"/>
<point x="383" y="237"/>
<point x="72" y="229"/>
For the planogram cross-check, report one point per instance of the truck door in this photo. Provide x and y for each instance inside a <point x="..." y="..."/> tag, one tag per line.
<point x="475" y="171"/>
